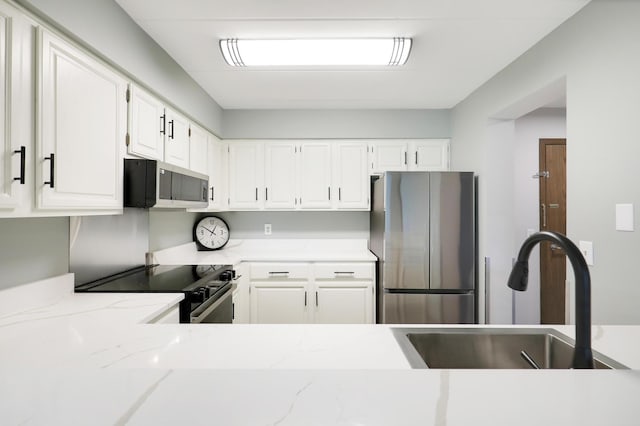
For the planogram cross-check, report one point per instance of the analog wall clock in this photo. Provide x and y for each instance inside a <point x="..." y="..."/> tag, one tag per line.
<point x="210" y="233"/>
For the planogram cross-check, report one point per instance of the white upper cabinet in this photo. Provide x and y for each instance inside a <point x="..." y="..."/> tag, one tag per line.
<point x="280" y="175"/>
<point x="412" y="155"/>
<point x="176" y="142"/>
<point x="218" y="166"/>
<point x="389" y="156"/>
<point x="81" y="128"/>
<point x="315" y="175"/>
<point x="12" y="152"/>
<point x="146" y="125"/>
<point x="351" y="180"/>
<point x="198" y="149"/>
<point x="431" y="155"/>
<point x="246" y="178"/>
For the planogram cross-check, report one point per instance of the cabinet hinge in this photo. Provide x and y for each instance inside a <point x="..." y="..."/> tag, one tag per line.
<point x="128" y="95"/>
<point x="126" y="140"/>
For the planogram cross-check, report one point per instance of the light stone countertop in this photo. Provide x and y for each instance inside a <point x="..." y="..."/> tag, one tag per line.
<point x="268" y="250"/>
<point x="70" y="358"/>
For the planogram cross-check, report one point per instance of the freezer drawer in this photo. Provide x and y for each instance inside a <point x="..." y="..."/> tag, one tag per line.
<point x="412" y="308"/>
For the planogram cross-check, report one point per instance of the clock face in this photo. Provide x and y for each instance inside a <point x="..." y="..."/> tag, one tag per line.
<point x="211" y="233"/>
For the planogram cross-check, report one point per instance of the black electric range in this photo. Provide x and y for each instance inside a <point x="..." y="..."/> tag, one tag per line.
<point x="207" y="288"/>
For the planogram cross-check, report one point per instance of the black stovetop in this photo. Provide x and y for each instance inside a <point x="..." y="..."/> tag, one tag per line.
<point x="158" y="279"/>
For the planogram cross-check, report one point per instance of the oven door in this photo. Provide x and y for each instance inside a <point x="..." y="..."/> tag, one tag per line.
<point x="218" y="310"/>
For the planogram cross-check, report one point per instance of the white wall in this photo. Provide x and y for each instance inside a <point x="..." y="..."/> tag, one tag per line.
<point x="170" y="228"/>
<point x="596" y="50"/>
<point x="265" y="124"/>
<point x="104" y="27"/>
<point x="528" y="130"/>
<point x="32" y="249"/>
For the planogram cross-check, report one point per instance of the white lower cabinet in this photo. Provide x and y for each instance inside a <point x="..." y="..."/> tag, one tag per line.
<point x="343" y="292"/>
<point x="241" y="302"/>
<point x="323" y="293"/>
<point x="279" y="302"/>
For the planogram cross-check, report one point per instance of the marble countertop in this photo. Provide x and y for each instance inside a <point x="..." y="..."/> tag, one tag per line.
<point x="70" y="358"/>
<point x="269" y="250"/>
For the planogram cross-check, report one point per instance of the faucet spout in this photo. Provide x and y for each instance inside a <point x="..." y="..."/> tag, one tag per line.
<point x="518" y="280"/>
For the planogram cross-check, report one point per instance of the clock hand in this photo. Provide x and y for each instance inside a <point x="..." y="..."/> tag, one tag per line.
<point x="208" y="229"/>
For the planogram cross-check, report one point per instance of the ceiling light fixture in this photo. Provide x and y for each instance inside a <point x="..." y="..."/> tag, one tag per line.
<point x="316" y="52"/>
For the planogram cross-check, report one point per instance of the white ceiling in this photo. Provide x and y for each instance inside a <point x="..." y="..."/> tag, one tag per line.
<point x="457" y="46"/>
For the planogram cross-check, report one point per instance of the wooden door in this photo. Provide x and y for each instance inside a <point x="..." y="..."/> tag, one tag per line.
<point x="553" y="208"/>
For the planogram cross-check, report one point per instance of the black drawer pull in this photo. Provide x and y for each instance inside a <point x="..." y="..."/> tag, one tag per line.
<point x="22" y="151"/>
<point x="50" y="182"/>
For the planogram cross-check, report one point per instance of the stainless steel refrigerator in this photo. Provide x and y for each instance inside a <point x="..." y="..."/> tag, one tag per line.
<point x="423" y="233"/>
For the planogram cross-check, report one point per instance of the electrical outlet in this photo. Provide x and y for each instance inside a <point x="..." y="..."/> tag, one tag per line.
<point x="586" y="248"/>
<point x="267" y="229"/>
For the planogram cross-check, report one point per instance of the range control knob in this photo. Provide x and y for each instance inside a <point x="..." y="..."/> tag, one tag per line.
<point x="227" y="275"/>
<point x="198" y="295"/>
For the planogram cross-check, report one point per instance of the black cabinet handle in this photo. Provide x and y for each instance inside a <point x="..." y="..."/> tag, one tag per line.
<point x="50" y="182"/>
<point x="416" y="158"/>
<point x="22" y="151"/>
<point x="305" y="298"/>
<point x="171" y="131"/>
<point x="329" y="190"/>
<point x="256" y="194"/>
<point x="405" y="158"/>
<point x="316" y="298"/>
<point x="339" y="194"/>
<point x="163" y="124"/>
<point x="266" y="194"/>
<point x="212" y="194"/>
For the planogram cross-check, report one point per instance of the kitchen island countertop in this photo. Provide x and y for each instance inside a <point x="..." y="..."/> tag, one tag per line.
<point x="91" y="358"/>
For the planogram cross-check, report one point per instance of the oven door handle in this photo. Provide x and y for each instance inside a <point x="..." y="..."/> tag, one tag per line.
<point x="214" y="305"/>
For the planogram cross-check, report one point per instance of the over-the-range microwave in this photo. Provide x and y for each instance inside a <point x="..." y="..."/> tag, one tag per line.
<point x="150" y="183"/>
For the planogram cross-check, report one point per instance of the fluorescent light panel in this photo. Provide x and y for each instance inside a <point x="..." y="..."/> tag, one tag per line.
<point x="316" y="52"/>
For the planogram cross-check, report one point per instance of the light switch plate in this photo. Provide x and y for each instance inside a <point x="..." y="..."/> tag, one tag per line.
<point x="624" y="217"/>
<point x="586" y="248"/>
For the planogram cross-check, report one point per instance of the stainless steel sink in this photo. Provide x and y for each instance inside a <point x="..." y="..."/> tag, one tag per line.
<point x="490" y="348"/>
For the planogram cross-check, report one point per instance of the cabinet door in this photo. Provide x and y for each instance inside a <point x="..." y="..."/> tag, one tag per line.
<point x="430" y="155"/>
<point x="146" y="125"/>
<point x="217" y="174"/>
<point x="82" y="126"/>
<point x="348" y="302"/>
<point x="314" y="165"/>
<point x="245" y="175"/>
<point x="198" y="150"/>
<point x="351" y="179"/>
<point x="280" y="175"/>
<point x="11" y="155"/>
<point x="176" y="142"/>
<point x="389" y="156"/>
<point x="279" y="302"/>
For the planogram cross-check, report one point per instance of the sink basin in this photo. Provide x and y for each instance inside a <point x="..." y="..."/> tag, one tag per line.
<point x="490" y="348"/>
